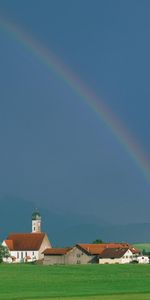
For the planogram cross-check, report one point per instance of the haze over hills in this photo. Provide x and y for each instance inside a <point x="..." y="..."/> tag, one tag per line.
<point x="66" y="229"/>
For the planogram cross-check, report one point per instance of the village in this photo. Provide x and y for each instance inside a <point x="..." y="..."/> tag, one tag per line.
<point x="36" y="247"/>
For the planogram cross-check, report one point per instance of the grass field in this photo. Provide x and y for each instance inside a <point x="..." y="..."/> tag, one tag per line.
<point x="146" y="247"/>
<point x="90" y="282"/>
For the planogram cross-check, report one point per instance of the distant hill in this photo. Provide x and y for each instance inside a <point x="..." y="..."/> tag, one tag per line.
<point x="132" y="233"/>
<point x="145" y="247"/>
<point x="67" y="229"/>
<point x="15" y="216"/>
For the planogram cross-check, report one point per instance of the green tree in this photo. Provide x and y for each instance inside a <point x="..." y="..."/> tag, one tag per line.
<point x="98" y="241"/>
<point x="4" y="253"/>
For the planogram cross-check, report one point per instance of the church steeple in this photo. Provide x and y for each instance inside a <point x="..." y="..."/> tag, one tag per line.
<point x="36" y="222"/>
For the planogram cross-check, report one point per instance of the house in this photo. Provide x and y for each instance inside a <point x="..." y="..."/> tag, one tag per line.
<point x="27" y="247"/>
<point x="142" y="259"/>
<point x="116" y="256"/>
<point x="73" y="255"/>
<point x="93" y="251"/>
<point x="81" y="253"/>
<point x="55" y="256"/>
<point x="68" y="256"/>
<point x="98" y="248"/>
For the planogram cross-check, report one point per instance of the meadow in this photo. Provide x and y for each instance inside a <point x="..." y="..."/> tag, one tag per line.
<point x="89" y="282"/>
<point x="142" y="247"/>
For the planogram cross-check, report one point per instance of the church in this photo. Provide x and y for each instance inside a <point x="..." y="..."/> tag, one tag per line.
<point x="27" y="247"/>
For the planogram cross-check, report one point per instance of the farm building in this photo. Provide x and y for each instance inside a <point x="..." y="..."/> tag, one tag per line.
<point x="142" y="259"/>
<point x="116" y="256"/>
<point x="27" y="247"/>
<point x="74" y="255"/>
<point x="83" y="253"/>
<point x="69" y="256"/>
<point x="54" y="256"/>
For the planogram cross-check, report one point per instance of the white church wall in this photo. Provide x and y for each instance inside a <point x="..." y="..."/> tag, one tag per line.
<point x="24" y="256"/>
<point x="30" y="255"/>
<point x="45" y="244"/>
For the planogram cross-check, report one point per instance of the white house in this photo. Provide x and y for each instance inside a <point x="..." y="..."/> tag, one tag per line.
<point x="116" y="256"/>
<point x="143" y="259"/>
<point x="27" y="247"/>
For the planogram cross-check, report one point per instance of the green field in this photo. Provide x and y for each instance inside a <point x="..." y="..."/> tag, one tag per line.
<point x="146" y="247"/>
<point x="90" y="282"/>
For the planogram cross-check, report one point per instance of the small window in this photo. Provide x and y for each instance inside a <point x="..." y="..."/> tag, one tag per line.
<point x="21" y="255"/>
<point x="17" y="254"/>
<point x="26" y="254"/>
<point x="78" y="262"/>
<point x="33" y="253"/>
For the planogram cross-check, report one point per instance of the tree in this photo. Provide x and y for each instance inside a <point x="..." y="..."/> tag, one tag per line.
<point x="4" y="253"/>
<point x="98" y="241"/>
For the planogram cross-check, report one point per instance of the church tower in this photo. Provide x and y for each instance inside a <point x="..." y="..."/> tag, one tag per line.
<point x="36" y="222"/>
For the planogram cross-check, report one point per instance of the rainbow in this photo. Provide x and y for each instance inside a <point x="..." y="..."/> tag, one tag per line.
<point x="96" y="104"/>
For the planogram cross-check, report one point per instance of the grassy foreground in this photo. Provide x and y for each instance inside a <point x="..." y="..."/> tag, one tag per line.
<point x="90" y="282"/>
<point x="109" y="297"/>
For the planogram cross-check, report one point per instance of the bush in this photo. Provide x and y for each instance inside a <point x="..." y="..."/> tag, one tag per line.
<point x="4" y="253"/>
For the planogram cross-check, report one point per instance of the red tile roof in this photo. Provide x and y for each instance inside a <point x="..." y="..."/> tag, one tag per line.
<point x="56" y="251"/>
<point x="113" y="252"/>
<point x="134" y="250"/>
<point x="24" y="241"/>
<point x="99" y="248"/>
<point x="9" y="244"/>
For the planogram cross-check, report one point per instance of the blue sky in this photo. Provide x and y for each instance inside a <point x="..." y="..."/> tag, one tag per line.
<point x="55" y="151"/>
